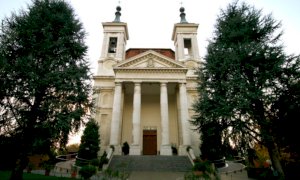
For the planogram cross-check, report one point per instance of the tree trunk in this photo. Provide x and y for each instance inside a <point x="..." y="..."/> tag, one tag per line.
<point x="275" y="158"/>
<point x="20" y="165"/>
<point x="268" y="139"/>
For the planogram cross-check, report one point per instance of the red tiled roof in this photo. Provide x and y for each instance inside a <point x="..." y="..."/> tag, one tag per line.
<point x="135" y="51"/>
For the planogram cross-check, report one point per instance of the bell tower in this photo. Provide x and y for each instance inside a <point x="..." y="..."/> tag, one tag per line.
<point x="185" y="39"/>
<point x="114" y="44"/>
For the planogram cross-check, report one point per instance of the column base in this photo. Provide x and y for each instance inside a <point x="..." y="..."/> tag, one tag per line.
<point x="182" y="150"/>
<point x="135" y="150"/>
<point x="166" y="150"/>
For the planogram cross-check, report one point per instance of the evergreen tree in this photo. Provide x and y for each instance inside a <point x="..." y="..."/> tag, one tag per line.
<point x="45" y="78"/>
<point x="245" y="74"/>
<point x="90" y="141"/>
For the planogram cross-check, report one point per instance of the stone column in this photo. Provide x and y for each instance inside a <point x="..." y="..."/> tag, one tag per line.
<point x="165" y="148"/>
<point x="135" y="148"/>
<point x="186" y="139"/>
<point x="116" y="118"/>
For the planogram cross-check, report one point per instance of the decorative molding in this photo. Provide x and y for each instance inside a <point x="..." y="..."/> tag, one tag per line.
<point x="99" y="88"/>
<point x="103" y="77"/>
<point x="148" y="55"/>
<point x="150" y="63"/>
<point x="151" y="70"/>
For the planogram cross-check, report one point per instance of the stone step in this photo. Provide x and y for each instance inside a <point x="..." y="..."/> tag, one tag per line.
<point x="150" y="163"/>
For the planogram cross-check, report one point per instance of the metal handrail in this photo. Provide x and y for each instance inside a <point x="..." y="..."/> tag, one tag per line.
<point x="59" y="157"/>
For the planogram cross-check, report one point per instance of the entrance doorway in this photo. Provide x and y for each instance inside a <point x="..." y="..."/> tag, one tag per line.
<point x="149" y="142"/>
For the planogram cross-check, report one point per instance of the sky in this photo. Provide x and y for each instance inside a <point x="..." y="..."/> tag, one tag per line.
<point x="150" y="22"/>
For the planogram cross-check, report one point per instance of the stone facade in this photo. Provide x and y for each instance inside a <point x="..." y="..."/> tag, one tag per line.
<point x="147" y="90"/>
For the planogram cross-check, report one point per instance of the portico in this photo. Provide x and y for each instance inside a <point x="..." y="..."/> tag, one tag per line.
<point x="164" y="89"/>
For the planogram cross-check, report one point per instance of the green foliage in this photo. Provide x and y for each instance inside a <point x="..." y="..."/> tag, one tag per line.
<point x="211" y="146"/>
<point x="103" y="160"/>
<point x="95" y="162"/>
<point x="203" y="166"/>
<point x="244" y="78"/>
<point x="45" y="78"/>
<point x="47" y="166"/>
<point x="87" y="171"/>
<point x="90" y="141"/>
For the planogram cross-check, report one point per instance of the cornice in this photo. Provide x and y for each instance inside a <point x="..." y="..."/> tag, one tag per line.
<point x="97" y="89"/>
<point x="152" y="70"/>
<point x="103" y="77"/>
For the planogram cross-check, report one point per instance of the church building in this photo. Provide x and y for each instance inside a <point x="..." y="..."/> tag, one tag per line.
<point x="144" y="96"/>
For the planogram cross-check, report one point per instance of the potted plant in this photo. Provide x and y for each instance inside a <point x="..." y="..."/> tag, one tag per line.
<point x="125" y="148"/>
<point x="174" y="149"/>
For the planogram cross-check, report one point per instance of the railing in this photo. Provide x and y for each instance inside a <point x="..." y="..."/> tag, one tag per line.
<point x="65" y="168"/>
<point x="82" y="161"/>
<point x="219" y="163"/>
<point x="191" y="155"/>
<point x="109" y="156"/>
<point x="66" y="157"/>
<point x="239" y="159"/>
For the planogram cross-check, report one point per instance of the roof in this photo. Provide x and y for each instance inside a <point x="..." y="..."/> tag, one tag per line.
<point x="135" y="51"/>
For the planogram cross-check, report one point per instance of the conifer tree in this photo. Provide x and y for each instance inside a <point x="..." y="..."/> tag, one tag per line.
<point x="90" y="141"/>
<point x="45" y="78"/>
<point x="245" y="74"/>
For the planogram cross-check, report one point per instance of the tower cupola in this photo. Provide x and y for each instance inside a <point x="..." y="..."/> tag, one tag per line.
<point x="185" y="39"/>
<point x="114" y="44"/>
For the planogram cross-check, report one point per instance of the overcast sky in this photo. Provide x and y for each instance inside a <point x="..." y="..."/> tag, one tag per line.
<point x="150" y="22"/>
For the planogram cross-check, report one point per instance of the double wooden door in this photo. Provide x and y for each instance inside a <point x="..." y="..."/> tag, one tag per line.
<point x="149" y="142"/>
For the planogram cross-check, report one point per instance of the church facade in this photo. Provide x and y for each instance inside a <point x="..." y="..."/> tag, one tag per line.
<point x="144" y="96"/>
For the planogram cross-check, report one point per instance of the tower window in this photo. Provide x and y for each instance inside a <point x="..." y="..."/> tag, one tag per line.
<point x="187" y="47"/>
<point x="112" y="45"/>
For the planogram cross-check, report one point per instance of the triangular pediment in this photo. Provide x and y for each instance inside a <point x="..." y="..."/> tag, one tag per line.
<point x="149" y="60"/>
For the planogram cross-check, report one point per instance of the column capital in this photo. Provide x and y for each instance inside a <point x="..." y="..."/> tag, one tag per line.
<point x="163" y="84"/>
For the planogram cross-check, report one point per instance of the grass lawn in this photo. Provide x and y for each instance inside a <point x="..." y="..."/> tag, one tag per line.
<point x="4" y="175"/>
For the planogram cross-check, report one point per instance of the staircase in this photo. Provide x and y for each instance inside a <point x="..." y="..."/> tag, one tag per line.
<point x="151" y="163"/>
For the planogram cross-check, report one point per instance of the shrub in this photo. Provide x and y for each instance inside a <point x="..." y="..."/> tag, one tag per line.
<point x="206" y="167"/>
<point x="95" y="162"/>
<point x="87" y="171"/>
